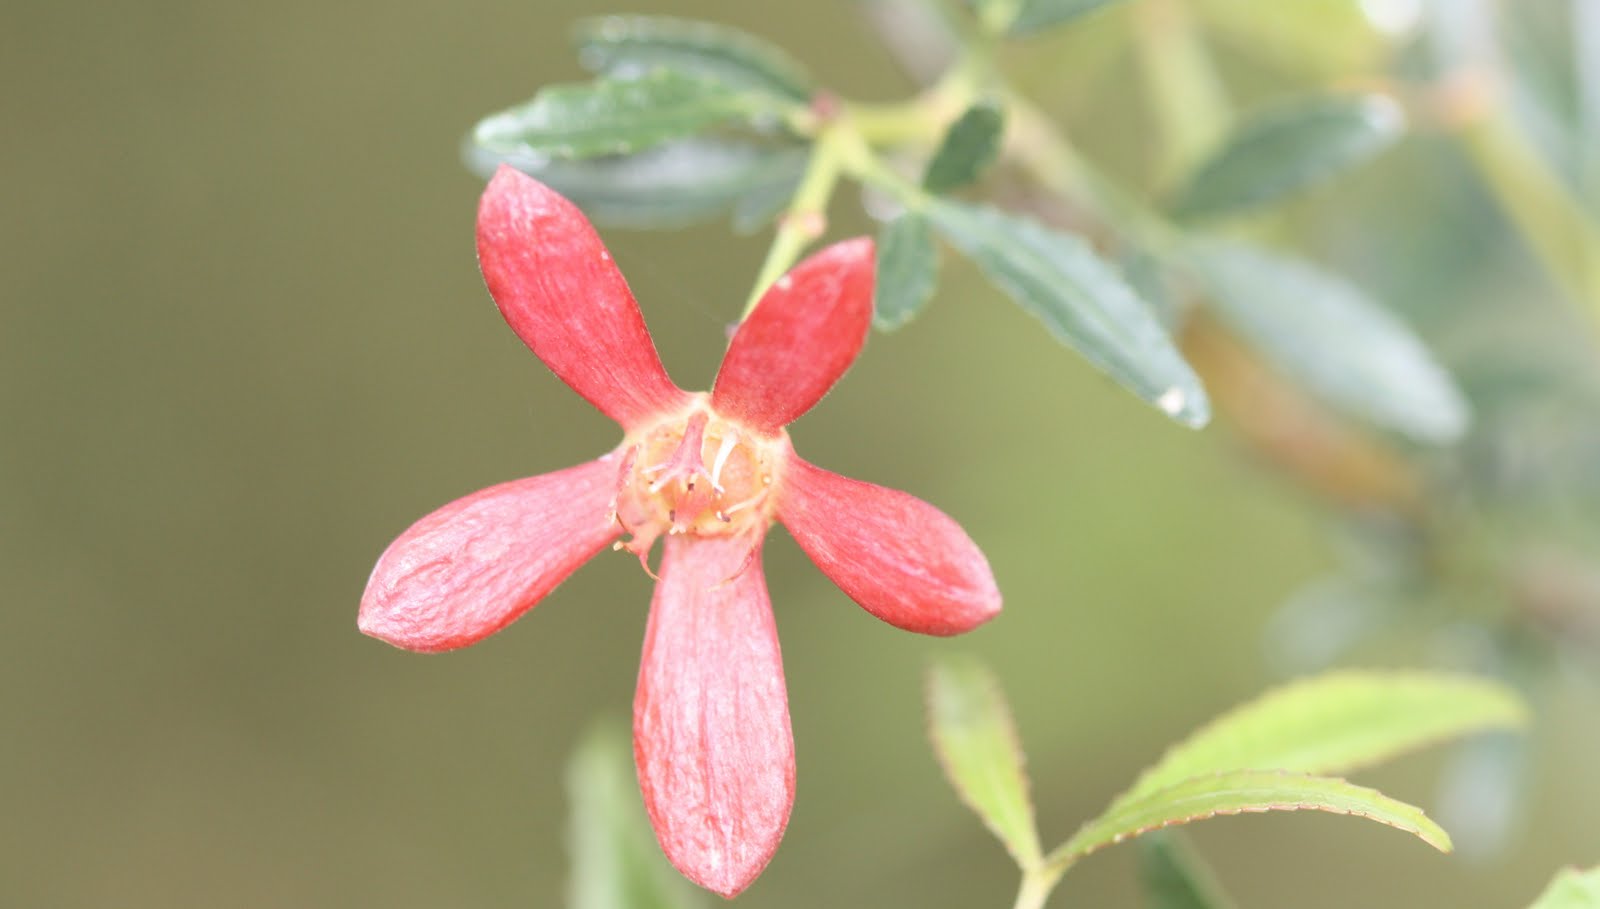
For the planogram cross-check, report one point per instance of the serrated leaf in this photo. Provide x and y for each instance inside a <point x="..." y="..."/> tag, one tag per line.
<point x="1571" y="889"/>
<point x="1288" y="148"/>
<point x="1332" y="338"/>
<point x="1245" y="791"/>
<point x="1336" y="723"/>
<point x="1033" y="15"/>
<point x="670" y="185"/>
<point x="627" y="46"/>
<point x="1081" y="299"/>
<point x="1173" y="877"/>
<point x="615" y="117"/>
<point x="977" y="745"/>
<point x="616" y="863"/>
<point x="907" y="270"/>
<point x="969" y="147"/>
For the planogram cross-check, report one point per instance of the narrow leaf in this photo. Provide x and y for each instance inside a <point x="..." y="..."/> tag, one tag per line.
<point x="1239" y="792"/>
<point x="672" y="184"/>
<point x="1336" y="723"/>
<point x="1034" y="15"/>
<point x="1572" y="889"/>
<point x="614" y="117"/>
<point x="1331" y="337"/>
<point x="968" y="148"/>
<point x="907" y="267"/>
<point x="1288" y="148"/>
<point x="616" y="863"/>
<point x="629" y="46"/>
<point x="1082" y="300"/>
<point x="976" y="742"/>
<point x="1173" y="877"/>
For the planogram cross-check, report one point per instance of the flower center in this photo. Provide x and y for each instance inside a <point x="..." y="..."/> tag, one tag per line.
<point x="695" y="473"/>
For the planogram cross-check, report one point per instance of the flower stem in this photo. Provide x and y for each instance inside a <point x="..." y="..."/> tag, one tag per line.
<point x="1037" y="885"/>
<point x="806" y="217"/>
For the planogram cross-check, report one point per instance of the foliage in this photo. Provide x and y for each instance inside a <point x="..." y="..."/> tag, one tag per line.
<point x="1273" y="754"/>
<point x="1571" y="889"/>
<point x="615" y="862"/>
<point x="1188" y="280"/>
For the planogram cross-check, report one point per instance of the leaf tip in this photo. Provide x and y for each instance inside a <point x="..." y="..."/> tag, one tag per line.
<point x="1189" y="406"/>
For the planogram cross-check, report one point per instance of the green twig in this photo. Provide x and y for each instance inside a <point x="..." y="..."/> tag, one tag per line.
<point x="806" y="217"/>
<point x="1037" y="885"/>
<point x="1189" y="102"/>
<point x="1561" y="234"/>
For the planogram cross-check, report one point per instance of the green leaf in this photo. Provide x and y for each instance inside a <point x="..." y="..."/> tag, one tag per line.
<point x="1572" y="889"/>
<point x="628" y="46"/>
<point x="615" y="117"/>
<point x="1033" y="15"/>
<point x="969" y="147"/>
<point x="616" y="863"/>
<point x="672" y="184"/>
<point x="1288" y="148"/>
<point x="1081" y="299"/>
<point x="1330" y="38"/>
<point x="977" y="745"/>
<point x="1331" y="337"/>
<point x="1173" y="877"/>
<point x="907" y="269"/>
<point x="1239" y="792"/>
<point x="1336" y="723"/>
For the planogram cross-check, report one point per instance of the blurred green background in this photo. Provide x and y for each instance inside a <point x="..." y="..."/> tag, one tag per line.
<point x="244" y="344"/>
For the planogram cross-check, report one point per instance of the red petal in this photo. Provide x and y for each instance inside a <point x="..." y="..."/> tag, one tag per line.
<point x="469" y="569"/>
<point x="560" y="292"/>
<point x="802" y="336"/>
<point x="903" y="560"/>
<point x="711" y="718"/>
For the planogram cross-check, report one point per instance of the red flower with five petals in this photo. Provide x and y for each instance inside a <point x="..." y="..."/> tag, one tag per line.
<point x="710" y="472"/>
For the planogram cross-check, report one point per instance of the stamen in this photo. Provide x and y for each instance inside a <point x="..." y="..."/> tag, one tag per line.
<point x="733" y="509"/>
<point x="729" y="443"/>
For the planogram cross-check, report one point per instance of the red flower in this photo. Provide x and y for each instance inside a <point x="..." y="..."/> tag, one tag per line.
<point x="710" y="472"/>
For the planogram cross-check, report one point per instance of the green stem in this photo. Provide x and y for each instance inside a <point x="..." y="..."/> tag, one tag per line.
<point x="1190" y="103"/>
<point x="1037" y="885"/>
<point x="1562" y="236"/>
<point x="1035" y="144"/>
<point x="806" y="218"/>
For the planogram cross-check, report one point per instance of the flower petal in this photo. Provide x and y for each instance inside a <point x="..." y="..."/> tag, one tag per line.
<point x="559" y="291"/>
<point x="903" y="560"/>
<point x="472" y="567"/>
<point x="802" y="336"/>
<point x="711" y="717"/>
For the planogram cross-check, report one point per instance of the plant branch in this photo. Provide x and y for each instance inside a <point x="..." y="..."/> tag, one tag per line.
<point x="806" y="217"/>
<point x="1037" y="885"/>
<point x="1190" y="104"/>
<point x="1560" y="233"/>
